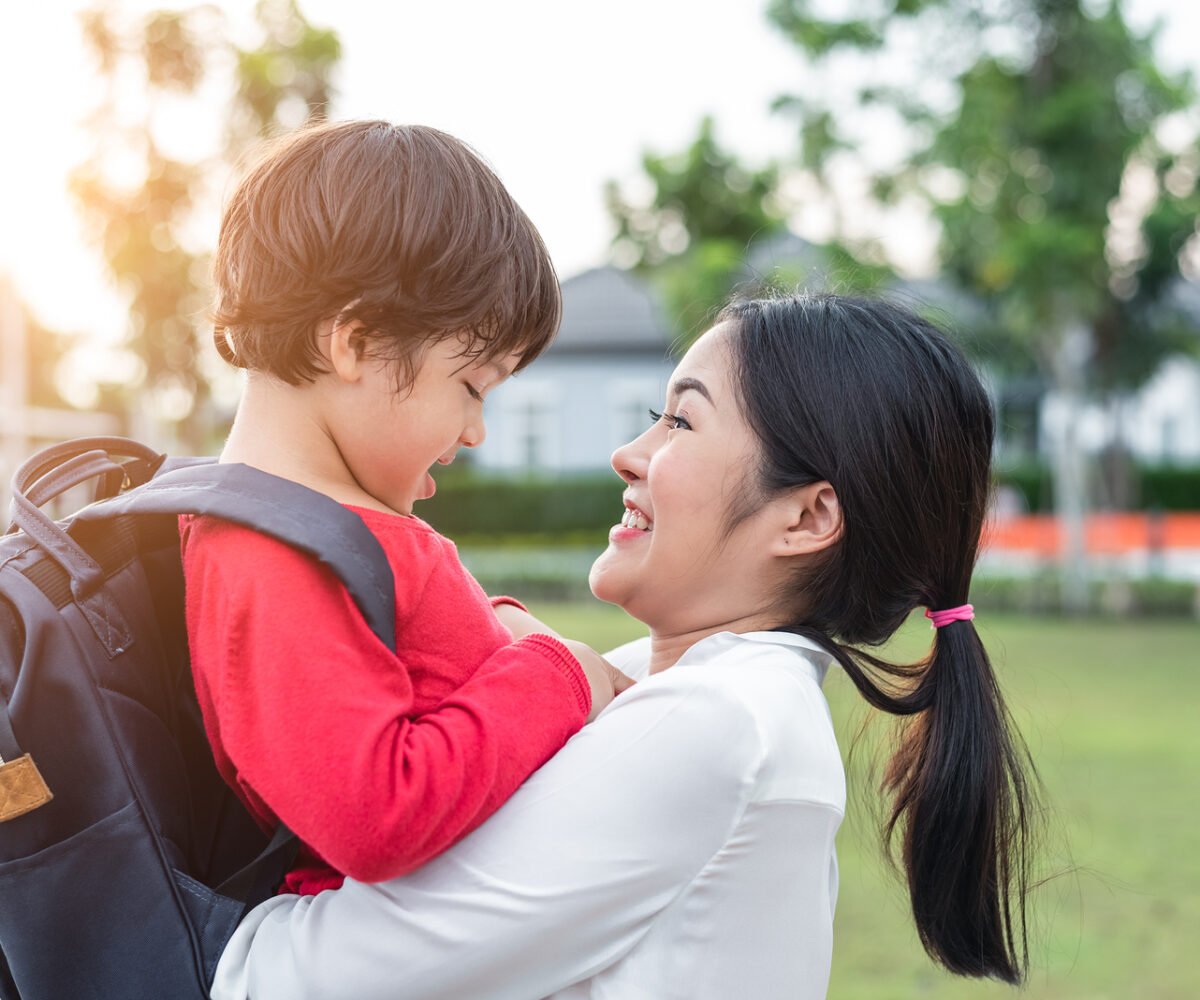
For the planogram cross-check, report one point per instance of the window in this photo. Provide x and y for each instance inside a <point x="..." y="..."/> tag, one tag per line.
<point x="532" y="419"/>
<point x="631" y="401"/>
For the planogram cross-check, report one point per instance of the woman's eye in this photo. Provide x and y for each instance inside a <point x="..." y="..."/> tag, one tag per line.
<point x="674" y="420"/>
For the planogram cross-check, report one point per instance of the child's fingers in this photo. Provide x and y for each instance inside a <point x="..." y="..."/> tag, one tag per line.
<point x="620" y="681"/>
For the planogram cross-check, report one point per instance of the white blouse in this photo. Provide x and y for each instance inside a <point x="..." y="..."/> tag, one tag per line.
<point x="680" y="846"/>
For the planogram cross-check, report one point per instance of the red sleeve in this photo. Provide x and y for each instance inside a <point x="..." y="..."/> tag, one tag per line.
<point x="495" y="602"/>
<point x="313" y="712"/>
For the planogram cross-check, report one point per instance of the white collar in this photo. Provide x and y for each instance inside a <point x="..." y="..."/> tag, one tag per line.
<point x="812" y="654"/>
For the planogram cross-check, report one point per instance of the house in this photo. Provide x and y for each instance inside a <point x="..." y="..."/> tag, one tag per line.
<point x="593" y="387"/>
<point x="1157" y="423"/>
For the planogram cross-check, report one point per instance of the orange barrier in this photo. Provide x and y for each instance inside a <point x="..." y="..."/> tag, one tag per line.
<point x="1106" y="534"/>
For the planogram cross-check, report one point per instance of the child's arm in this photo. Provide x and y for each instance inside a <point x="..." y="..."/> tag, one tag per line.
<point x="605" y="679"/>
<point x="314" y="714"/>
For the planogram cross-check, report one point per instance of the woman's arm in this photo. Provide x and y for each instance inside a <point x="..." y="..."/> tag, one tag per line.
<point x="563" y="881"/>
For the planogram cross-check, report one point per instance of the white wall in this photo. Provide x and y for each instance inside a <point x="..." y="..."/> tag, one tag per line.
<point x="568" y="414"/>
<point x="1159" y="423"/>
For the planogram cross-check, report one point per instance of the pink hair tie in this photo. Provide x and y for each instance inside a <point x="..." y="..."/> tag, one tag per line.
<point x="963" y="613"/>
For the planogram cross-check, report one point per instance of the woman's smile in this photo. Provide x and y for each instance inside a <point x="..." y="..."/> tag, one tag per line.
<point x="634" y="523"/>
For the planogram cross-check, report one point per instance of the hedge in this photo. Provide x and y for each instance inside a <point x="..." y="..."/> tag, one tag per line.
<point x="1165" y="487"/>
<point x="1152" y="597"/>
<point x="582" y="508"/>
<point x="1170" y="487"/>
<point x="560" y="573"/>
<point x="478" y="507"/>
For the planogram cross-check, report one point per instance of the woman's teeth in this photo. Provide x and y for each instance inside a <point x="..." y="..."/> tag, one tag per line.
<point x="635" y="519"/>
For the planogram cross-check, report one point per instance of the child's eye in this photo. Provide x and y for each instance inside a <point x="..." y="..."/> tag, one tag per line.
<point x="674" y="420"/>
<point x="475" y="393"/>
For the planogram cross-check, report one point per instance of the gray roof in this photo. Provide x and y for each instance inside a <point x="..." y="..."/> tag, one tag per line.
<point x="957" y="307"/>
<point x="785" y="257"/>
<point x="607" y="310"/>
<point x="1184" y="295"/>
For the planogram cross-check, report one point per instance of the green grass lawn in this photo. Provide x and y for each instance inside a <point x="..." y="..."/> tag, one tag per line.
<point x="1111" y="712"/>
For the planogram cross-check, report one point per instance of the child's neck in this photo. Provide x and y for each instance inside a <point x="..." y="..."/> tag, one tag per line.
<point x="278" y="429"/>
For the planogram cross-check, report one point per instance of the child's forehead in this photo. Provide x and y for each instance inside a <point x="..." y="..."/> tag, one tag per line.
<point x="477" y="357"/>
<point x="498" y="368"/>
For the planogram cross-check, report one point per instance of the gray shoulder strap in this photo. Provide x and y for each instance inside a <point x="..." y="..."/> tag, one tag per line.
<point x="307" y="520"/>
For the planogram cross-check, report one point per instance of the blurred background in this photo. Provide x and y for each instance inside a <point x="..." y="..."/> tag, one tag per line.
<point x="1027" y="172"/>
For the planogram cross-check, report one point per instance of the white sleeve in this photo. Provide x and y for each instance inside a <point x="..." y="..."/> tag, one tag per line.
<point x="560" y="883"/>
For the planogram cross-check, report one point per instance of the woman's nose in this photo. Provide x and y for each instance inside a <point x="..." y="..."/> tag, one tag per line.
<point x="630" y="460"/>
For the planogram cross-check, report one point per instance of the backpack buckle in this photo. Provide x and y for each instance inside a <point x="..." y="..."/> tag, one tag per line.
<point x="22" y="788"/>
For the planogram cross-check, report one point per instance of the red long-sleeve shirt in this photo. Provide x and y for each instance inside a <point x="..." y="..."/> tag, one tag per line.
<point x="377" y="760"/>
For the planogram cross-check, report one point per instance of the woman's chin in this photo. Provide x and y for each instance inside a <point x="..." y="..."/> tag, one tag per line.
<point x="606" y="579"/>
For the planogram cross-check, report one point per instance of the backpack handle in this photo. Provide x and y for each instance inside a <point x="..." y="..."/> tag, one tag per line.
<point x="44" y="461"/>
<point x="71" y="473"/>
<point x="47" y="474"/>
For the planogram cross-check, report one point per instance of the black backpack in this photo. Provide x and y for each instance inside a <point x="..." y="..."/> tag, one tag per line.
<point x="125" y="860"/>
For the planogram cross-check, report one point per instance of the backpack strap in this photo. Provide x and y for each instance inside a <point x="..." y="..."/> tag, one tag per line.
<point x="308" y="521"/>
<point x="294" y="514"/>
<point x="258" y="879"/>
<point x="10" y="749"/>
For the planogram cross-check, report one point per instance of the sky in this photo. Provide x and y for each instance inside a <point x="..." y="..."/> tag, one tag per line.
<point x="558" y="96"/>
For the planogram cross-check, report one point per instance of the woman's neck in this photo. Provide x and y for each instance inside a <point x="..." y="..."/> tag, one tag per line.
<point x="667" y="646"/>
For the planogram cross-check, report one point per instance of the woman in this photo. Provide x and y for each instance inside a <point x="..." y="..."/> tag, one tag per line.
<point x="821" y="469"/>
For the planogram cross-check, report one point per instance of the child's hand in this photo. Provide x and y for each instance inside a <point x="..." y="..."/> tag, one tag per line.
<point x="605" y="680"/>
<point x="520" y="622"/>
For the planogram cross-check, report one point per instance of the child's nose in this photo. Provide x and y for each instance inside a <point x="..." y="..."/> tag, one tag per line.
<point x="474" y="434"/>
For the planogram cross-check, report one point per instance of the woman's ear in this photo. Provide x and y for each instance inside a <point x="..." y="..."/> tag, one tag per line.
<point x="811" y="522"/>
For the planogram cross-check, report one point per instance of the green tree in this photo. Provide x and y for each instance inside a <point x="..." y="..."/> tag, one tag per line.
<point x="691" y="239"/>
<point x="1039" y="135"/>
<point x="144" y="226"/>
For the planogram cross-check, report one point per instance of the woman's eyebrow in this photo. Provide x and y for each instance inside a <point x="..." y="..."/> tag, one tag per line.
<point x="684" y="384"/>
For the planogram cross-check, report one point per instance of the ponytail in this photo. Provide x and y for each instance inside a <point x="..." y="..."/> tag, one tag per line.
<point x="961" y="803"/>
<point x="875" y="400"/>
<point x="961" y="800"/>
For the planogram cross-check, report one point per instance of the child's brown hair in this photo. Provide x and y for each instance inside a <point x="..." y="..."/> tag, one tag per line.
<point x="400" y="227"/>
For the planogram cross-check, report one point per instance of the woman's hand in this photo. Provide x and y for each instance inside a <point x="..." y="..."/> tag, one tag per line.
<point x="605" y="680"/>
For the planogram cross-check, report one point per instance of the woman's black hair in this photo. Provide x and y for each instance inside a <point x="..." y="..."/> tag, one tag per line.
<point x="877" y="401"/>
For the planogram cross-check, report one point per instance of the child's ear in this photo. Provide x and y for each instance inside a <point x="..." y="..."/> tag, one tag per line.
<point x="344" y="348"/>
<point x="810" y="521"/>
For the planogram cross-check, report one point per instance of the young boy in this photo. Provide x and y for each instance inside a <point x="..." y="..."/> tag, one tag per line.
<point x="376" y="282"/>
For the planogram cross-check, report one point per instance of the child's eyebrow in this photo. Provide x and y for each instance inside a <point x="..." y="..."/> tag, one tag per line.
<point x="500" y="369"/>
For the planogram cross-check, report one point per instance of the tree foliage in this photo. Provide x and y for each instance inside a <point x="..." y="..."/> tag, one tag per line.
<point x="1040" y="138"/>
<point x="140" y="202"/>
<point x="691" y="238"/>
<point x="1038" y="132"/>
